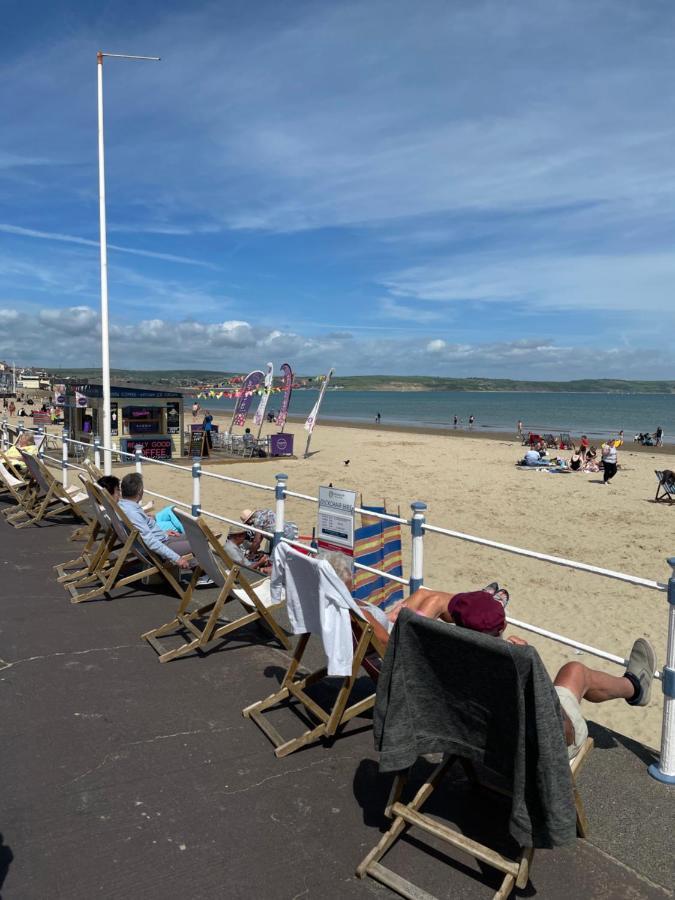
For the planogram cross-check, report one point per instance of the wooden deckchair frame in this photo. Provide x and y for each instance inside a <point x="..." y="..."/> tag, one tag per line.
<point x="293" y="688"/>
<point x="516" y="871"/>
<point x="98" y="532"/>
<point x="404" y="815"/>
<point x="108" y="574"/>
<point x="665" y="491"/>
<point x="198" y="635"/>
<point x="15" y="486"/>
<point x="50" y="498"/>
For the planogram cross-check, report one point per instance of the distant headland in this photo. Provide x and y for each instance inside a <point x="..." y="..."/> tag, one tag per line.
<point x="192" y="379"/>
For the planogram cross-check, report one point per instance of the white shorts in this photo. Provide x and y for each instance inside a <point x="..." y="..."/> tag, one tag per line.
<point x="570" y="705"/>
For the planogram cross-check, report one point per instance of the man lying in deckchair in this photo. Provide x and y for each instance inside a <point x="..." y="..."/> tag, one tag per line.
<point x="167" y="544"/>
<point x="482" y="611"/>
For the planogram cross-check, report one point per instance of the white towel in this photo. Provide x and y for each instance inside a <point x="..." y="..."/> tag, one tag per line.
<point x="317" y="602"/>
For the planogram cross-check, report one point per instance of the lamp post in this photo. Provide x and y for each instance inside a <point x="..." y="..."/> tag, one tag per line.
<point x="105" y="343"/>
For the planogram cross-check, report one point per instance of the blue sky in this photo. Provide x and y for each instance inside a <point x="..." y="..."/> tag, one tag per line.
<point x="430" y="187"/>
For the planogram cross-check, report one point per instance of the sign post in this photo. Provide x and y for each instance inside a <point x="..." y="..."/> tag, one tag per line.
<point x="335" y="523"/>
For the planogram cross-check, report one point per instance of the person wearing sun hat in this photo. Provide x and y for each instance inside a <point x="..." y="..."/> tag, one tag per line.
<point x="236" y="537"/>
<point x="484" y="611"/>
<point x="265" y="520"/>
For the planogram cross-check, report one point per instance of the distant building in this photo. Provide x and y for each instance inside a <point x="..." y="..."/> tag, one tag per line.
<point x="31" y="380"/>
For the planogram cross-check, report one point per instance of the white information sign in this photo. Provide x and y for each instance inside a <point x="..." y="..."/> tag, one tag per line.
<point x="335" y="527"/>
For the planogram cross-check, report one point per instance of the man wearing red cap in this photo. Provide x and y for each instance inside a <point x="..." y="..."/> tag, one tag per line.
<point x="484" y="611"/>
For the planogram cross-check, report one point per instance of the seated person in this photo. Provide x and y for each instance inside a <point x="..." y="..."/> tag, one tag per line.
<point x="265" y="519"/>
<point x="590" y="464"/>
<point x="24" y="442"/>
<point x="574" y="682"/>
<point x="575" y="461"/>
<point x="171" y="547"/>
<point x="534" y="458"/>
<point x="111" y="484"/>
<point x="237" y="536"/>
<point x="248" y="438"/>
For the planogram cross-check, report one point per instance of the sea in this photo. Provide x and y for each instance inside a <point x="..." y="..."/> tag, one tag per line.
<point x="596" y="415"/>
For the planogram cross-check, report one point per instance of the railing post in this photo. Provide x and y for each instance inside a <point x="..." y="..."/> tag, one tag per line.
<point x="279" y="512"/>
<point x="41" y="448"/>
<point x="5" y="439"/>
<point x="21" y="427"/>
<point x="196" y="486"/>
<point x="138" y="452"/>
<point x="97" y="452"/>
<point x="64" y="457"/>
<point x="665" y="769"/>
<point x="417" y="532"/>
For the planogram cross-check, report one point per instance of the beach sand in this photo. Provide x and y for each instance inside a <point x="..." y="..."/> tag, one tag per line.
<point x="471" y="485"/>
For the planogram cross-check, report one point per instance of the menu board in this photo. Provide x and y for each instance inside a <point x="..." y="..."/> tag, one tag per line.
<point x="198" y="444"/>
<point x="173" y="417"/>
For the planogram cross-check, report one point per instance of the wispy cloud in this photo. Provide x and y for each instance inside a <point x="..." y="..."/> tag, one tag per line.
<point x="86" y="242"/>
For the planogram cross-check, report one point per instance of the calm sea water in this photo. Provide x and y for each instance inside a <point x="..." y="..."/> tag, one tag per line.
<point x="591" y="414"/>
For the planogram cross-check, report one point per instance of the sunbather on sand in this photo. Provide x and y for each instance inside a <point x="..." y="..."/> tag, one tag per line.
<point x="483" y="611"/>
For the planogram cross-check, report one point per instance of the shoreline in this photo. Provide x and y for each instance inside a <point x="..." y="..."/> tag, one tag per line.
<point x="440" y="431"/>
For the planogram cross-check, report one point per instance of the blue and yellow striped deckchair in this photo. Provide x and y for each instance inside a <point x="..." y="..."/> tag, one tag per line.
<point x="377" y="543"/>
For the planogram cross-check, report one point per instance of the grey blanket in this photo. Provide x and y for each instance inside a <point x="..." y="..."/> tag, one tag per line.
<point x="450" y="690"/>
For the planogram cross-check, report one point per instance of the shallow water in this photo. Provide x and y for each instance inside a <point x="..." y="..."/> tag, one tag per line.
<point x="591" y="414"/>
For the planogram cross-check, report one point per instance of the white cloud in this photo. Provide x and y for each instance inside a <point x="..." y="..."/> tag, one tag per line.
<point x="70" y="336"/>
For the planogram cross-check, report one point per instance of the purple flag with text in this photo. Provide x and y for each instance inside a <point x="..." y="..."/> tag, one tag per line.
<point x="248" y="388"/>
<point x="288" y="390"/>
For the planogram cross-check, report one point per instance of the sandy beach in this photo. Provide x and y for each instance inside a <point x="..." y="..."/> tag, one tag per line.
<point x="472" y="485"/>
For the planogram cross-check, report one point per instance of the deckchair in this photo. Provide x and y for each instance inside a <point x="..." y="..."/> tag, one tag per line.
<point x="565" y="441"/>
<point x="405" y="815"/>
<point x="201" y="628"/>
<point x="98" y="531"/>
<point x="52" y="498"/>
<point x="112" y="568"/>
<point x="14" y="487"/>
<point x="324" y="723"/>
<point x="665" y="491"/>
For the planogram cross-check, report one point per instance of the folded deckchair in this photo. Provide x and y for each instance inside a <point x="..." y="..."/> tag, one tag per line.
<point x="665" y="491"/>
<point x="202" y="627"/>
<point x="298" y="568"/>
<point x="490" y="707"/>
<point x="116" y="568"/>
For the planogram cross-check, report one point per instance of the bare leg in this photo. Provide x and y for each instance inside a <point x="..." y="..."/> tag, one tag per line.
<point x="592" y="685"/>
<point x="433" y="604"/>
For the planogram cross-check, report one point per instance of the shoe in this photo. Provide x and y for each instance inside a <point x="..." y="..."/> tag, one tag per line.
<point x="492" y="588"/>
<point x="642" y="665"/>
<point x="205" y="581"/>
<point x="503" y="596"/>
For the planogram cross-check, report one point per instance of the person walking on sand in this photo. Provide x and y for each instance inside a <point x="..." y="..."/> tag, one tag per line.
<point x="472" y="419"/>
<point x="520" y="428"/>
<point x="658" y="436"/>
<point x="195" y="409"/>
<point x="609" y="462"/>
<point x="378" y="419"/>
<point x="455" y="422"/>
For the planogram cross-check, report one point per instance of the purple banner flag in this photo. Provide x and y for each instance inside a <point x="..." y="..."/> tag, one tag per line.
<point x="248" y="388"/>
<point x="288" y="390"/>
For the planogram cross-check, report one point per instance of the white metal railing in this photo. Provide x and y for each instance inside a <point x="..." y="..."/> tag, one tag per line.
<point x="664" y="771"/>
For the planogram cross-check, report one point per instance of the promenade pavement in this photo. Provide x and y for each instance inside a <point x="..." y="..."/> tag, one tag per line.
<point x="121" y="777"/>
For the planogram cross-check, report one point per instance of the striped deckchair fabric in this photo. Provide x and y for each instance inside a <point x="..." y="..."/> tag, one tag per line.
<point x="377" y="544"/>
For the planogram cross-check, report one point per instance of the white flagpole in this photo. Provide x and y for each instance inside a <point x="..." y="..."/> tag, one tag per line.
<point x="314" y="415"/>
<point x="105" y="343"/>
